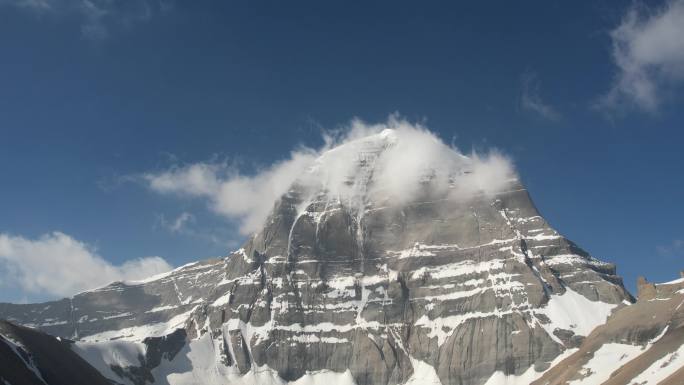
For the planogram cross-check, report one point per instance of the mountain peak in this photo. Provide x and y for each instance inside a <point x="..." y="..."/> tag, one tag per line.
<point x="400" y="165"/>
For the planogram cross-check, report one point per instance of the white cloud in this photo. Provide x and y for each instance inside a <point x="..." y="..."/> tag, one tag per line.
<point x="648" y="50"/>
<point x="231" y="193"/>
<point x="97" y="17"/>
<point x="530" y="98"/>
<point x="413" y="156"/>
<point x="59" y="265"/>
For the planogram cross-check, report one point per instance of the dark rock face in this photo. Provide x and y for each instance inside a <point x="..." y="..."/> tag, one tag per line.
<point x="471" y="286"/>
<point x="30" y="357"/>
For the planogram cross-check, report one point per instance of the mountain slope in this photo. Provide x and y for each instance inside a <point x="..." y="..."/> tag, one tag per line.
<point x="347" y="281"/>
<point x="640" y="344"/>
<point x="30" y="357"/>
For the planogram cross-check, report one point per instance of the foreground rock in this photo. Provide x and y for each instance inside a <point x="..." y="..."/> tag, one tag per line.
<point x="640" y="344"/>
<point x="29" y="357"/>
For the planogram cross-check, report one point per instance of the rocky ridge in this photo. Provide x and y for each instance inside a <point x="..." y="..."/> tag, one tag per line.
<point x="29" y="357"/>
<point x="639" y="344"/>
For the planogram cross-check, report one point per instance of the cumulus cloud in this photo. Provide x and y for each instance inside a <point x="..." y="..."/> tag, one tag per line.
<point x="59" y="265"/>
<point x="97" y="17"/>
<point x="648" y="50"/>
<point x="406" y="159"/>
<point x="230" y="192"/>
<point x="530" y="98"/>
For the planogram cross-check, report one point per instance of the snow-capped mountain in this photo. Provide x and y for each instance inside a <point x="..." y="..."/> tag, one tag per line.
<point x="364" y="276"/>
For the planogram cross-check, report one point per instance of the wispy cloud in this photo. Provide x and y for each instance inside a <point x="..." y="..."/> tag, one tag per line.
<point x="177" y="225"/>
<point x="674" y="249"/>
<point x="402" y="168"/>
<point x="648" y="50"/>
<point x="187" y="225"/>
<point x="531" y="100"/>
<point x="59" y="265"/>
<point x="97" y="17"/>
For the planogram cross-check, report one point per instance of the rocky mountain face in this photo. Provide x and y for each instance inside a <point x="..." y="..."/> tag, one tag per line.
<point x="357" y="288"/>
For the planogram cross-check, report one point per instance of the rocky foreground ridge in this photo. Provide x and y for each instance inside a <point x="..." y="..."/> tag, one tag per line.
<point x="359" y="289"/>
<point x="639" y="344"/>
<point x="28" y="357"/>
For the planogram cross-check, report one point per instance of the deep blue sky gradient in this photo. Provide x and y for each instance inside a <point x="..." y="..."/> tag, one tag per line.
<point x="249" y="81"/>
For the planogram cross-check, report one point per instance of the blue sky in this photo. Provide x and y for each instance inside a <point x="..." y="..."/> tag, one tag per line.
<point x="585" y="98"/>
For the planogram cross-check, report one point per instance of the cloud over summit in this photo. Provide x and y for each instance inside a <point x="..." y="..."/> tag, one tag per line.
<point x="404" y="158"/>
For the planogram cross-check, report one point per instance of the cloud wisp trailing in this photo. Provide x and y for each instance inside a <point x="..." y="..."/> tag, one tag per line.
<point x="648" y="50"/>
<point x="187" y="225"/>
<point x="179" y="224"/>
<point x="674" y="249"/>
<point x="410" y="156"/>
<point x="59" y="265"/>
<point x="97" y="17"/>
<point x="531" y="100"/>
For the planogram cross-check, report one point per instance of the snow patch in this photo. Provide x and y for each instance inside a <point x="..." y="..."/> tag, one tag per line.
<point x="605" y="361"/>
<point x="161" y="308"/>
<point x="325" y="377"/>
<point x="442" y="327"/>
<point x="158" y="276"/>
<point x="139" y="333"/>
<point x="528" y="376"/>
<point x="573" y="311"/>
<point x="103" y="355"/>
<point x="423" y="374"/>
<point x="676" y="281"/>
<point x="221" y="301"/>
<point x="661" y="369"/>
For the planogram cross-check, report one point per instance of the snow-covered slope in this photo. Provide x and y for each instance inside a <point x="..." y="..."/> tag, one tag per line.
<point x="449" y="283"/>
<point x="640" y="344"/>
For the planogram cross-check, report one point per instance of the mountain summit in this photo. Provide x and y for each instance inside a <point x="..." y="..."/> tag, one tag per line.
<point x="391" y="259"/>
